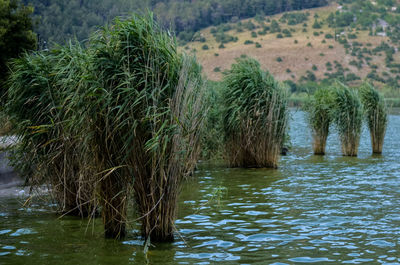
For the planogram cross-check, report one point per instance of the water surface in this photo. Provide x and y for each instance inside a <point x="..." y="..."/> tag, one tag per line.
<point x="312" y="210"/>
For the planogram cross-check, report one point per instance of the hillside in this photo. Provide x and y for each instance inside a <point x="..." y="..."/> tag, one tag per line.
<point x="301" y="46"/>
<point x="61" y="20"/>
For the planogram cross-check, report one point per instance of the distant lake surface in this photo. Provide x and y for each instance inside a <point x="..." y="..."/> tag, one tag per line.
<point x="312" y="210"/>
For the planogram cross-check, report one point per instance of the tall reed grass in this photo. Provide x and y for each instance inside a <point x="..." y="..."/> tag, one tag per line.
<point x="212" y="145"/>
<point x="348" y="116"/>
<point x="319" y="117"/>
<point x="47" y="152"/>
<point x="255" y="116"/>
<point x="126" y="113"/>
<point x="140" y="116"/>
<point x="375" y="114"/>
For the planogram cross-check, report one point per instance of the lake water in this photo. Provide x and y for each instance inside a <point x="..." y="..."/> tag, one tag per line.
<point x="312" y="210"/>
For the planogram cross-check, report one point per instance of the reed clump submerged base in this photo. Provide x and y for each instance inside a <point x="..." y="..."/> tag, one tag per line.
<point x="121" y="117"/>
<point x="47" y="153"/>
<point x="255" y="116"/>
<point x="375" y="114"/>
<point x="319" y="117"/>
<point x="348" y="117"/>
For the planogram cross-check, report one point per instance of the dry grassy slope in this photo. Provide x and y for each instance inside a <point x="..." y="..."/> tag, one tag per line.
<point x="297" y="57"/>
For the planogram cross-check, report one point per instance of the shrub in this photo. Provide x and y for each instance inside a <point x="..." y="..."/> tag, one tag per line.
<point x="344" y="19"/>
<point x="249" y="25"/>
<point x="316" y="24"/>
<point x="224" y="27"/>
<point x="342" y="40"/>
<point x="352" y="77"/>
<point x="262" y="32"/>
<point x="310" y="76"/>
<point x="294" y="18"/>
<point x="225" y="38"/>
<point x="287" y="33"/>
<point x="275" y="26"/>
<point x="186" y="36"/>
<point x="352" y="36"/>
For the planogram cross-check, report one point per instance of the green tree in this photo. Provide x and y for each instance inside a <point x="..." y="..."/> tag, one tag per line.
<point x="316" y="24"/>
<point x="16" y="34"/>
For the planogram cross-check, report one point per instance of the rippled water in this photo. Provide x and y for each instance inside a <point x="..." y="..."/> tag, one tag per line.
<point x="313" y="210"/>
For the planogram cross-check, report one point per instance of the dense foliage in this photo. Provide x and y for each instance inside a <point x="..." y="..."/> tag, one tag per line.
<point x="62" y="19"/>
<point x="348" y="116"/>
<point x="125" y="113"/>
<point x="47" y="152"/>
<point x="375" y="114"/>
<point x="255" y="115"/>
<point x="319" y="116"/>
<point x="15" y="33"/>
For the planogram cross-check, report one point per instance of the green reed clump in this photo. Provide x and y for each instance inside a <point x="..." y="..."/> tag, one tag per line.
<point x="28" y="107"/>
<point x="255" y="116"/>
<point x="47" y="153"/>
<point x="348" y="115"/>
<point x="212" y="142"/>
<point x="319" y="117"/>
<point x="124" y="114"/>
<point x="139" y="117"/>
<point x="375" y="114"/>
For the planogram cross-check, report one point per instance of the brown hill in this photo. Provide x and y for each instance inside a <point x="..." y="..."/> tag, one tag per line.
<point x="308" y="49"/>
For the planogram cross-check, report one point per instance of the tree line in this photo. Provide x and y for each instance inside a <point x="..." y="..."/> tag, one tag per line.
<point x="61" y="20"/>
<point x="16" y="34"/>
